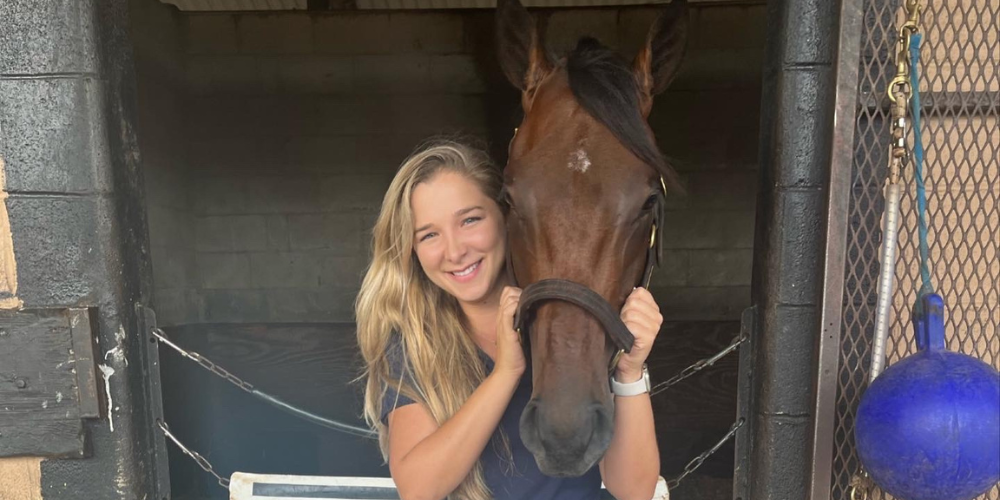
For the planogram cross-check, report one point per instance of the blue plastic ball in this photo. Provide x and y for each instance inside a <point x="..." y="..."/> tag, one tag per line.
<point x="928" y="428"/>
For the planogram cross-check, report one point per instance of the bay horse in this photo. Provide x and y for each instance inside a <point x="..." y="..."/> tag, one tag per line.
<point x="584" y="187"/>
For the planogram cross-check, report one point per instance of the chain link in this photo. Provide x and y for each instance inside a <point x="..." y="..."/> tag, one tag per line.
<point x="696" y="367"/>
<point x="700" y="459"/>
<point x="207" y="364"/>
<point x="202" y="461"/>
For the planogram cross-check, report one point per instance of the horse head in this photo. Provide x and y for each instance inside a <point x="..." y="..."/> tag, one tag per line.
<point x="584" y="184"/>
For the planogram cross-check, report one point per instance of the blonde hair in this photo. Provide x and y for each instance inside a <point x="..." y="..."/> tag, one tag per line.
<point x="398" y="299"/>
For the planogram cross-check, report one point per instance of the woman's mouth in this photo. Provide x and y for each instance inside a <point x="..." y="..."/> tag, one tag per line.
<point x="468" y="273"/>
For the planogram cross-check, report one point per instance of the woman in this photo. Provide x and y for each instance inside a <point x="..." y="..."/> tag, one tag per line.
<point x="446" y="374"/>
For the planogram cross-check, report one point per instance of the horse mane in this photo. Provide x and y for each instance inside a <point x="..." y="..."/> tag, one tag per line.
<point x="604" y="84"/>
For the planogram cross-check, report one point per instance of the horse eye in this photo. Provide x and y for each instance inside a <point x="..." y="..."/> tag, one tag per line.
<point x="650" y="202"/>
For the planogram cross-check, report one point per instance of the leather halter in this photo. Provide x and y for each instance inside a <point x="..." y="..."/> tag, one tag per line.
<point x="587" y="299"/>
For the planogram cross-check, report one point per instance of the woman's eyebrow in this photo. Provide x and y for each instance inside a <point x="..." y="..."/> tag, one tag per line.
<point x="467" y="210"/>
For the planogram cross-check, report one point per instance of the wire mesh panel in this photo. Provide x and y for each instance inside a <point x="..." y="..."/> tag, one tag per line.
<point x="960" y="93"/>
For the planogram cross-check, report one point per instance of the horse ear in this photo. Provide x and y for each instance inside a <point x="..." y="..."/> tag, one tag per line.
<point x="657" y="63"/>
<point x="520" y="46"/>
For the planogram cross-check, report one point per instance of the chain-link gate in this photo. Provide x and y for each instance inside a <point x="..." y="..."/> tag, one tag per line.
<point x="960" y="92"/>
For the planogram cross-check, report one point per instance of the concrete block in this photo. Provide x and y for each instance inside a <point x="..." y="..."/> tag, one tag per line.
<point x="384" y="153"/>
<point x="424" y="116"/>
<point x="217" y="195"/>
<point x="722" y="190"/>
<point x="53" y="135"/>
<point x="231" y="74"/>
<point x="214" y="234"/>
<point x="354" y="193"/>
<point x="673" y="269"/>
<point x="794" y="339"/>
<point x="277" y="232"/>
<point x="345" y="233"/>
<point x="223" y="270"/>
<point x="327" y="304"/>
<point x="346" y="272"/>
<point x="170" y="305"/>
<point x="797" y="137"/>
<point x="47" y="36"/>
<point x="800" y="259"/>
<point x="284" y="33"/>
<point x="728" y="26"/>
<point x="205" y="33"/>
<point x="323" y="154"/>
<point x="702" y="303"/>
<point x="249" y="233"/>
<point x="285" y="194"/>
<point x="693" y="229"/>
<point x="231" y="155"/>
<point x="566" y="27"/>
<point x="633" y="27"/>
<point x="392" y="74"/>
<point x="285" y="269"/>
<point x="720" y="267"/>
<point x="314" y="74"/>
<point x="171" y="267"/>
<point x="339" y="116"/>
<point x="59" y="246"/>
<point x="720" y="68"/>
<point x="334" y="234"/>
<point x="389" y="33"/>
<point x="234" y="306"/>
<point x="456" y="73"/>
<point x="307" y="232"/>
<point x="808" y="21"/>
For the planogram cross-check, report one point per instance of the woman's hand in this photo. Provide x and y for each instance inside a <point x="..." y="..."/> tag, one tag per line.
<point x="642" y="317"/>
<point x="510" y="354"/>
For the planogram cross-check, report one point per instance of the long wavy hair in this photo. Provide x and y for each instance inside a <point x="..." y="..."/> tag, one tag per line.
<point x="398" y="299"/>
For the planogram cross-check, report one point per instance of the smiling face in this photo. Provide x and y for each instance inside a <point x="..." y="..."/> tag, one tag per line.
<point x="459" y="237"/>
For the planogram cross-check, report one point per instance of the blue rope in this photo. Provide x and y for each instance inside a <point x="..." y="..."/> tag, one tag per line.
<point x="918" y="156"/>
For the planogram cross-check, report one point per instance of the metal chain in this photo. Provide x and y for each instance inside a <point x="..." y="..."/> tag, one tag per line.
<point x="899" y="91"/>
<point x="160" y="336"/>
<point x="202" y="461"/>
<point x="204" y="362"/>
<point x="700" y="459"/>
<point x="696" y="367"/>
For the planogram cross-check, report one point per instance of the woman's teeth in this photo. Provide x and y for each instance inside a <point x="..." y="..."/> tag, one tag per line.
<point x="467" y="271"/>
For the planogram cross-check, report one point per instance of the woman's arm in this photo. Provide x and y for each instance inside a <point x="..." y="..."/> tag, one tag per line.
<point x="428" y="462"/>
<point x="631" y="466"/>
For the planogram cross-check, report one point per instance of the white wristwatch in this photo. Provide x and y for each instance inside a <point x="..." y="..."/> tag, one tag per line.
<point x="640" y="386"/>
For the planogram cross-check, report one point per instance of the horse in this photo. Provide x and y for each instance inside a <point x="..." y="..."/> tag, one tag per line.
<point x="583" y="189"/>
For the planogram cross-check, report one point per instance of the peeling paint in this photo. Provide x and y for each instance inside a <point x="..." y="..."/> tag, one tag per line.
<point x="45" y="404"/>
<point x="107" y="372"/>
<point x="59" y="397"/>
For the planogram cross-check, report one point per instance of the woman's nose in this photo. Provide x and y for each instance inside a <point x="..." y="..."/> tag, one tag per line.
<point x="456" y="249"/>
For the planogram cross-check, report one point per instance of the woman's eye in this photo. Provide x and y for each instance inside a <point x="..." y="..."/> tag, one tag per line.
<point x="427" y="236"/>
<point x="470" y="220"/>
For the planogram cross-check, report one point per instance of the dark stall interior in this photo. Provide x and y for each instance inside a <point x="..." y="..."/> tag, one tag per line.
<point x="267" y="140"/>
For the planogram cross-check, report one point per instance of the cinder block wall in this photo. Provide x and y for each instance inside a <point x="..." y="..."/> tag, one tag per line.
<point x="293" y="124"/>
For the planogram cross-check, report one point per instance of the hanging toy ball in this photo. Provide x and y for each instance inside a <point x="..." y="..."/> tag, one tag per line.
<point x="928" y="428"/>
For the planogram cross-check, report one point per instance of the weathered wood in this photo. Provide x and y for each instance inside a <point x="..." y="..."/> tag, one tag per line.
<point x="62" y="438"/>
<point x="82" y="328"/>
<point x="40" y="375"/>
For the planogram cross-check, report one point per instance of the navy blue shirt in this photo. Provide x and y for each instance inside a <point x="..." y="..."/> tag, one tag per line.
<point x="525" y="481"/>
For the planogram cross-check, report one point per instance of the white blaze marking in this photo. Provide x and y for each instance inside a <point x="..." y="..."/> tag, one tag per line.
<point x="579" y="161"/>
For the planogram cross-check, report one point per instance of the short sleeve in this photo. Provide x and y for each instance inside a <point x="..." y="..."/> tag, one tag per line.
<point x="401" y="375"/>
